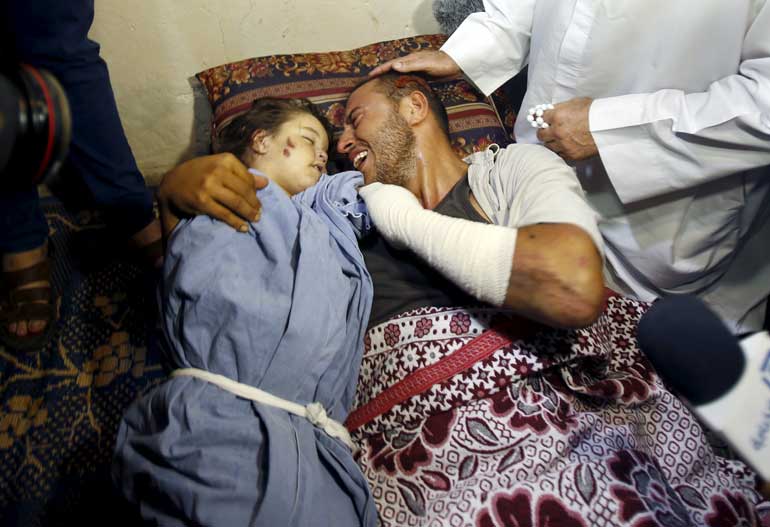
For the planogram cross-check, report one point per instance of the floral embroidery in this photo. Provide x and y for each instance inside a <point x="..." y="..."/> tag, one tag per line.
<point x="534" y="405"/>
<point x="392" y="334"/>
<point x="336" y="114"/>
<point x="646" y="499"/>
<point x="731" y="510"/>
<point x="521" y="368"/>
<point x="460" y="323"/>
<point x="408" y="452"/>
<point x="422" y="327"/>
<point x="521" y="510"/>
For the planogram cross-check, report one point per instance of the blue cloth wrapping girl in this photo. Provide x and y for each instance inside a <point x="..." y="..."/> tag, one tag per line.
<point x="282" y="308"/>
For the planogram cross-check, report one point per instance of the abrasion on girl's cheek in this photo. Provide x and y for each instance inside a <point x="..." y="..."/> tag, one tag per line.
<point x="288" y="148"/>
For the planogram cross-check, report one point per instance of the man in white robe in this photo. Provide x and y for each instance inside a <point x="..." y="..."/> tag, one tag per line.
<point x="664" y="110"/>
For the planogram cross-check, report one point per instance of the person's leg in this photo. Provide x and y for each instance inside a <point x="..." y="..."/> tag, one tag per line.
<point x="23" y="246"/>
<point x="22" y="224"/>
<point x="23" y="234"/>
<point x="52" y="34"/>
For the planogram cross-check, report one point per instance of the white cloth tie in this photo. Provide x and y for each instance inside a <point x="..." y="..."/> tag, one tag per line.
<point x="313" y="412"/>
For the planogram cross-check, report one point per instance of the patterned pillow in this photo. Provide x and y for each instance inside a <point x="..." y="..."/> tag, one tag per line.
<point x="326" y="79"/>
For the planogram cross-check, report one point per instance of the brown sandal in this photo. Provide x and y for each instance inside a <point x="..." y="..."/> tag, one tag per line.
<point x="34" y="303"/>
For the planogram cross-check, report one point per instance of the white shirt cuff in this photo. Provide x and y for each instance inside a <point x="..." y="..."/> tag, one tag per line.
<point x="617" y="112"/>
<point x="480" y="54"/>
<point x="634" y="164"/>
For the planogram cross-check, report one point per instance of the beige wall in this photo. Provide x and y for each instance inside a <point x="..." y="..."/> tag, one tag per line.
<point x="153" y="47"/>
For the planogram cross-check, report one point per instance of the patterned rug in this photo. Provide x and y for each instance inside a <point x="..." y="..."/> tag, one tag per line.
<point x="60" y="407"/>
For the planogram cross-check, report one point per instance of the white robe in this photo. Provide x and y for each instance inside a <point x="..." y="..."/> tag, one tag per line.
<point x="681" y="117"/>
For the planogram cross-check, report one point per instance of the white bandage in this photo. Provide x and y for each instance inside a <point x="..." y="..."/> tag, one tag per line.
<point x="476" y="256"/>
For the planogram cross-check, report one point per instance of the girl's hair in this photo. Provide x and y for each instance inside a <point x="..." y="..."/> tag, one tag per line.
<point x="268" y="114"/>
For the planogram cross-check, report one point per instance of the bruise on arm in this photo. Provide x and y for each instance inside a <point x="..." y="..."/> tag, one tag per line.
<point x="556" y="276"/>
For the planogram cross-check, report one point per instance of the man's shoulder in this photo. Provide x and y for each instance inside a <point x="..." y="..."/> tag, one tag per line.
<point x="495" y="155"/>
<point x="515" y="161"/>
<point x="518" y="172"/>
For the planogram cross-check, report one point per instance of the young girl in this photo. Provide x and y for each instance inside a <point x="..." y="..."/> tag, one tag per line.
<point x="264" y="330"/>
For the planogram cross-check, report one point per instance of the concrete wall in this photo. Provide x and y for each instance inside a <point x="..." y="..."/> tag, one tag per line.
<point x="153" y="48"/>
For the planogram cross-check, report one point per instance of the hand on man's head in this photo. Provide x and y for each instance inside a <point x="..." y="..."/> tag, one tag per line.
<point x="219" y="186"/>
<point x="568" y="133"/>
<point x="434" y="63"/>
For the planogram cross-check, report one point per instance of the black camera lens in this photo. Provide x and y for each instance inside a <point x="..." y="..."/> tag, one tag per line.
<point x="35" y="126"/>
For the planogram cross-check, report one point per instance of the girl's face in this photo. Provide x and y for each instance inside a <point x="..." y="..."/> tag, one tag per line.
<point x="295" y="155"/>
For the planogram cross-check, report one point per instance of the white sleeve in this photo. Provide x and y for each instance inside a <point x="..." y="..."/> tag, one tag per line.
<point x="492" y="46"/>
<point x="539" y="187"/>
<point x="655" y="143"/>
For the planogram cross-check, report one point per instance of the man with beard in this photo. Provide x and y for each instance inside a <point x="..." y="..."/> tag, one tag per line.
<point x="540" y="259"/>
<point x="465" y="412"/>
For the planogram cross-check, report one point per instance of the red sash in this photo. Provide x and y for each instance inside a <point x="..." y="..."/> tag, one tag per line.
<point x="417" y="382"/>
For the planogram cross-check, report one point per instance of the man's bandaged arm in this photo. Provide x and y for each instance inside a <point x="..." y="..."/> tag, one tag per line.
<point x="548" y="272"/>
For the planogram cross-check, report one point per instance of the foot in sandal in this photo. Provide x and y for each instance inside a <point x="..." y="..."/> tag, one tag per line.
<point x="28" y="309"/>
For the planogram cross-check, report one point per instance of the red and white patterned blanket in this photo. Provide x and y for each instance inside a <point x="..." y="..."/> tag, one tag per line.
<point x="556" y="428"/>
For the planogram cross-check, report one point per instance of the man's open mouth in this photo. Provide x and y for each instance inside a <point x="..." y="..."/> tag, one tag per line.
<point x="358" y="161"/>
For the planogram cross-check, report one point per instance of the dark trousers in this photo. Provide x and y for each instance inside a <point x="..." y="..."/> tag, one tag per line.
<point x="53" y="34"/>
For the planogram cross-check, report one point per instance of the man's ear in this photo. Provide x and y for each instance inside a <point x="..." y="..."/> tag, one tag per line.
<point x="260" y="142"/>
<point x="414" y="108"/>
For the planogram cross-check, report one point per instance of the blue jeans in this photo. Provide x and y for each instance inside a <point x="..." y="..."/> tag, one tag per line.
<point x="53" y="34"/>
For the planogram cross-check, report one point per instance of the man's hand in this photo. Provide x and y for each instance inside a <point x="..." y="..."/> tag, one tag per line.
<point x="568" y="131"/>
<point x="219" y="186"/>
<point x="435" y="63"/>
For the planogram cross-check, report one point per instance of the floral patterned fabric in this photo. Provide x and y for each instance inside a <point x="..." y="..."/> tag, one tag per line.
<point x="567" y="428"/>
<point x="60" y="407"/>
<point x="327" y="78"/>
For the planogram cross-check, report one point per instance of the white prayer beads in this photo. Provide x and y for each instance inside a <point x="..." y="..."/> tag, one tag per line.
<point x="535" y="115"/>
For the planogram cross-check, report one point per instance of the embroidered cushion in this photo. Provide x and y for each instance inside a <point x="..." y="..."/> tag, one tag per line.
<point x="327" y="78"/>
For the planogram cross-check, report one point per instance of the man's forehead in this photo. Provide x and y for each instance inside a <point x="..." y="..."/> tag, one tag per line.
<point x="360" y="95"/>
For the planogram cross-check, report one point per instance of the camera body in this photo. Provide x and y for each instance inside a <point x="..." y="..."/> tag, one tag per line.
<point x="35" y="125"/>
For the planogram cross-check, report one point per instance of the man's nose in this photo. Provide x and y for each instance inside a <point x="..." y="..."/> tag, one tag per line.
<point x="345" y="143"/>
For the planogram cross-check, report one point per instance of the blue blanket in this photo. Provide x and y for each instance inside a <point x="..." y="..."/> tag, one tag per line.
<point x="283" y="308"/>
